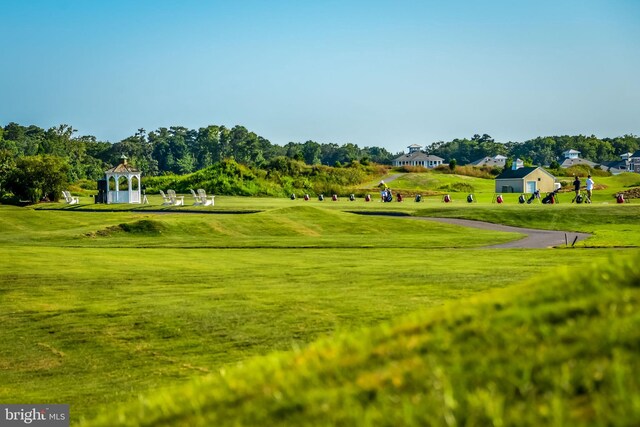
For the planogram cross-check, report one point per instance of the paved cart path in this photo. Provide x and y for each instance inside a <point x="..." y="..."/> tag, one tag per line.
<point x="534" y="239"/>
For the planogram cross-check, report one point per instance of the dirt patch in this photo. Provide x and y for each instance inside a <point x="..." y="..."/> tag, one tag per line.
<point x="633" y="193"/>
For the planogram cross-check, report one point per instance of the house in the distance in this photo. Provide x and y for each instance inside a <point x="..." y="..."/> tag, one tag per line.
<point x="572" y="158"/>
<point x="415" y="157"/>
<point x="634" y="162"/>
<point x="619" y="166"/>
<point x="525" y="180"/>
<point x="495" y="161"/>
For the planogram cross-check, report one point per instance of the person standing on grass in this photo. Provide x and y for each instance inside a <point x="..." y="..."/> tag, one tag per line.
<point x="589" y="183"/>
<point x="383" y="193"/>
<point x="576" y="187"/>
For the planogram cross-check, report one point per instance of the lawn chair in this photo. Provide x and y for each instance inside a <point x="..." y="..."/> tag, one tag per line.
<point x="175" y="200"/>
<point x="165" y="199"/>
<point x="197" y="200"/>
<point x="206" y="200"/>
<point x="69" y="199"/>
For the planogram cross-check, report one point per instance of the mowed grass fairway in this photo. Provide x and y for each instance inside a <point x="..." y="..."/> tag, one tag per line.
<point x="98" y="307"/>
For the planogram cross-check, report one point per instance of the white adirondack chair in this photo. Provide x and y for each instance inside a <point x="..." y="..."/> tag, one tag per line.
<point x="69" y="199"/>
<point x="206" y="200"/>
<point x="165" y="199"/>
<point x="175" y="199"/>
<point x="197" y="200"/>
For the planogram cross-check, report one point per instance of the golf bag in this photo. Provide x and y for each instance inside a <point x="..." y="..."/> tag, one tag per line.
<point x="352" y="197"/>
<point x="522" y="199"/>
<point x="549" y="199"/>
<point x="535" y="195"/>
<point x="446" y="198"/>
<point x="367" y="198"/>
<point x="579" y="199"/>
<point x="470" y="198"/>
<point x="620" y="198"/>
<point x="293" y="197"/>
<point x="418" y="198"/>
<point x="499" y="198"/>
<point x="321" y="197"/>
<point x="399" y="197"/>
<point x="388" y="197"/>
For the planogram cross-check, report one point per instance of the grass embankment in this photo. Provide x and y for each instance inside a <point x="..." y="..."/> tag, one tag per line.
<point x="427" y="183"/>
<point x="298" y="225"/>
<point x="613" y="225"/>
<point x="559" y="350"/>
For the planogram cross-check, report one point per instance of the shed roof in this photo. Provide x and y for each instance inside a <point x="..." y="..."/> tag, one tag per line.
<point x="518" y="173"/>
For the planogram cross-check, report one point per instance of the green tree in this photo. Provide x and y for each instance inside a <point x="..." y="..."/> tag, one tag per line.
<point x="207" y="146"/>
<point x="7" y="164"/>
<point x="311" y="152"/>
<point x="38" y="177"/>
<point x="139" y="150"/>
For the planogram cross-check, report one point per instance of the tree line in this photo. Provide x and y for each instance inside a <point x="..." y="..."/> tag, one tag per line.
<point x="179" y="150"/>
<point x="173" y="150"/>
<point x="538" y="151"/>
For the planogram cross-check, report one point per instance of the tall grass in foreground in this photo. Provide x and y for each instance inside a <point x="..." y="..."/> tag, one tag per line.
<point x="560" y="350"/>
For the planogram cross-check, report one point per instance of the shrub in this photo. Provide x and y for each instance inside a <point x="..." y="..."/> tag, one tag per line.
<point x="144" y="226"/>
<point x="411" y="169"/>
<point x="36" y="178"/>
<point x="468" y="170"/>
<point x="584" y="170"/>
<point x="462" y="187"/>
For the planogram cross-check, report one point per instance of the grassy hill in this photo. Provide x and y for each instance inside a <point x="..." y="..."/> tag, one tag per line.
<point x="558" y="350"/>
<point x="426" y="183"/>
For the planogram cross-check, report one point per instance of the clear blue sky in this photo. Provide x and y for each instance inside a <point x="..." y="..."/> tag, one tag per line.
<point x="383" y="73"/>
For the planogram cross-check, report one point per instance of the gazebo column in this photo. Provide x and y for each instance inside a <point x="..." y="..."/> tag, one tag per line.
<point x="117" y="188"/>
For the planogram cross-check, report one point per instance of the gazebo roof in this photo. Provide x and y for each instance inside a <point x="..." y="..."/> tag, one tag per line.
<point x="123" y="167"/>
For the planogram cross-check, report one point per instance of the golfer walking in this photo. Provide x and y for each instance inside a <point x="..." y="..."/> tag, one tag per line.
<point x="576" y="187"/>
<point x="589" y="184"/>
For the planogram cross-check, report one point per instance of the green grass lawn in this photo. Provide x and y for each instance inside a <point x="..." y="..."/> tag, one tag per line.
<point x="101" y="306"/>
<point x="558" y="350"/>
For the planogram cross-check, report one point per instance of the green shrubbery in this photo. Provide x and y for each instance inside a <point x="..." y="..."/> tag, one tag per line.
<point x="281" y="177"/>
<point x="36" y="178"/>
<point x="468" y="170"/>
<point x="583" y="171"/>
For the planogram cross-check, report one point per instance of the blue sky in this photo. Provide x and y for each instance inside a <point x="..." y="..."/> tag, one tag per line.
<point x="373" y="73"/>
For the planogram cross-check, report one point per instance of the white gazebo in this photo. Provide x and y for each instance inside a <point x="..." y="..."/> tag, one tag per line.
<point x="126" y="175"/>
